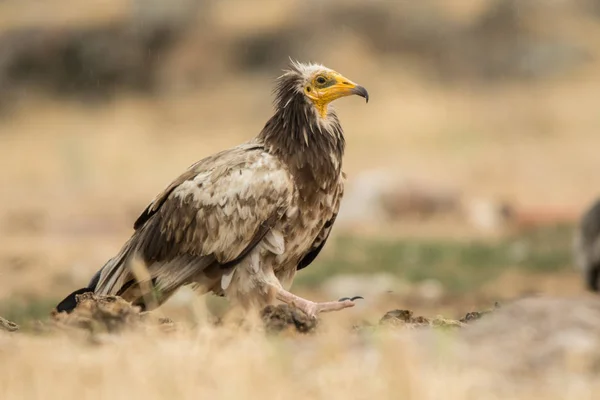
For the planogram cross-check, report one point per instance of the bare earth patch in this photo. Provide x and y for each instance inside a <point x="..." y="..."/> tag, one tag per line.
<point x="106" y="314"/>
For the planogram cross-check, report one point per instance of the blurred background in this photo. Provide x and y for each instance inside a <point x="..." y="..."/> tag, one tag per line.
<point x="467" y="169"/>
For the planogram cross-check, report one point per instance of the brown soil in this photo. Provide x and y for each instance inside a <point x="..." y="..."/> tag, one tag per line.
<point x="283" y="318"/>
<point x="105" y="314"/>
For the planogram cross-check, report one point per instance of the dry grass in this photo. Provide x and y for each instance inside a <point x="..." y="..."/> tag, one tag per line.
<point x="205" y="363"/>
<point x="537" y="348"/>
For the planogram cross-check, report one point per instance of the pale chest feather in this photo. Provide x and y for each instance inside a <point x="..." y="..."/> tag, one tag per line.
<point x="303" y="222"/>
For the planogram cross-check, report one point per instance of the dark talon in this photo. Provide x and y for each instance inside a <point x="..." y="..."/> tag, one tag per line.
<point x="351" y="298"/>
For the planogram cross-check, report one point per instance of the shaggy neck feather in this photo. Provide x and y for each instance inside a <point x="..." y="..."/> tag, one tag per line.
<point x="311" y="147"/>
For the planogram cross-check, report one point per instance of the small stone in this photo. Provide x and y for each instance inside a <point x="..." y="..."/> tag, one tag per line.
<point x="285" y="318"/>
<point x="395" y="316"/>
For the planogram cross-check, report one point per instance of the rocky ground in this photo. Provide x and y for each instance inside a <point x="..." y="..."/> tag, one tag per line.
<point x="112" y="314"/>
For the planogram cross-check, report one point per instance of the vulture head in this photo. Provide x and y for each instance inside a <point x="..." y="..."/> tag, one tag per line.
<point x="315" y="84"/>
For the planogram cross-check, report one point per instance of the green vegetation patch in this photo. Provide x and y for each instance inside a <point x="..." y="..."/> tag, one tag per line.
<point x="23" y="311"/>
<point x="458" y="265"/>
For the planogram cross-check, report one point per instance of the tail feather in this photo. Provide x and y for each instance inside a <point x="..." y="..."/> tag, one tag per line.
<point x="114" y="274"/>
<point x="113" y="271"/>
<point x="94" y="281"/>
<point x="117" y="277"/>
<point x="69" y="303"/>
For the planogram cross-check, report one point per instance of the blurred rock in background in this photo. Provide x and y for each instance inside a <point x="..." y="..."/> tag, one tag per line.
<point x="380" y="195"/>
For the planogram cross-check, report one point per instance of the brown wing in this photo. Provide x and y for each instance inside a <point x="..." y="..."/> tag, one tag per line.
<point x="190" y="173"/>
<point x="322" y="237"/>
<point x="217" y="211"/>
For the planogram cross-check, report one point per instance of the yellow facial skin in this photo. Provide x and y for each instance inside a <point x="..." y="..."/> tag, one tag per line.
<point x="326" y="87"/>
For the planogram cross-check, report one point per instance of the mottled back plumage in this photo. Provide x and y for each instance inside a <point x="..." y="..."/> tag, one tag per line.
<point x="241" y="222"/>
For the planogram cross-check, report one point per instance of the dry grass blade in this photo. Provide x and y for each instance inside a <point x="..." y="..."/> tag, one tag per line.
<point x="142" y="275"/>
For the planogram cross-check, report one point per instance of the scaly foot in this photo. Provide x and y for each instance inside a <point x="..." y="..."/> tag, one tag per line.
<point x="311" y="308"/>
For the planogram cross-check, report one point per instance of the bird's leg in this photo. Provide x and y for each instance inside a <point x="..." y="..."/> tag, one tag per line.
<point x="311" y="308"/>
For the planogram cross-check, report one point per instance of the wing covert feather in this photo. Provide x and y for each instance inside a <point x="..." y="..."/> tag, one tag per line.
<point x="219" y="211"/>
<point x="190" y="173"/>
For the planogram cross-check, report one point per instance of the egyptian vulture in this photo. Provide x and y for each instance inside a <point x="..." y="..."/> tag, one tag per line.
<point x="240" y="223"/>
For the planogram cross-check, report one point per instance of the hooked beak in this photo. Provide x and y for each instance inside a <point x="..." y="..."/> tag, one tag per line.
<point x="361" y="91"/>
<point x="341" y="88"/>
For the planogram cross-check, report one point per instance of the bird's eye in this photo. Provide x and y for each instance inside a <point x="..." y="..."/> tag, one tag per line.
<point x="321" y="80"/>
